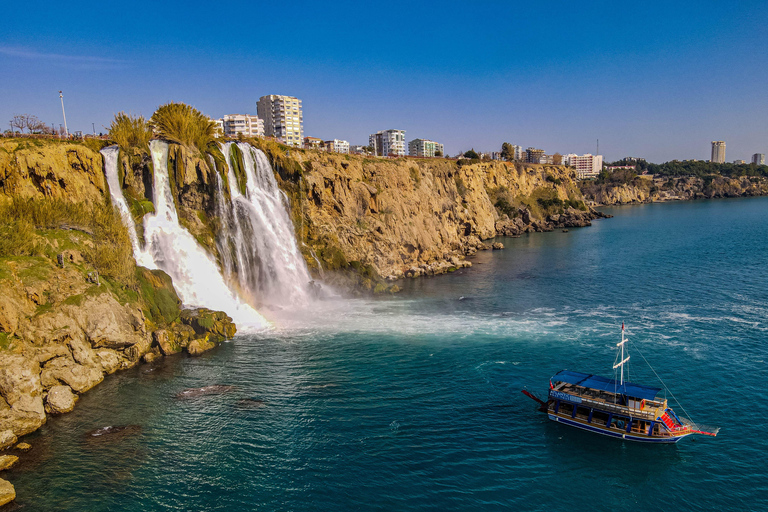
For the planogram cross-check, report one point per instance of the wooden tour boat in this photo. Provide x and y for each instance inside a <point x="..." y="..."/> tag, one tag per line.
<point x="614" y="407"/>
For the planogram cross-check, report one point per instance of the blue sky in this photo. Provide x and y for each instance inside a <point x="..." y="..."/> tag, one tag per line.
<point x="658" y="80"/>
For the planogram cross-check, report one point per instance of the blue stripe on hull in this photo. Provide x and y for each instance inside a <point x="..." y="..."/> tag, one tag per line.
<point x="620" y="435"/>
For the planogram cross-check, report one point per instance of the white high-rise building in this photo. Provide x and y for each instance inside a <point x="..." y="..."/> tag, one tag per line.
<point x="718" y="152"/>
<point x="235" y="124"/>
<point x="388" y="142"/>
<point x="758" y="158"/>
<point x="337" y="146"/>
<point x="425" y="148"/>
<point x="587" y="166"/>
<point x="283" y="118"/>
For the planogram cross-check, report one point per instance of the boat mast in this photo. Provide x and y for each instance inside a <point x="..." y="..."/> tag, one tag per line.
<point x="623" y="359"/>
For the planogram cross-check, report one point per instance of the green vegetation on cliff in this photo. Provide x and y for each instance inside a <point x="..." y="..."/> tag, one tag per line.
<point x="184" y="124"/>
<point x="109" y="252"/>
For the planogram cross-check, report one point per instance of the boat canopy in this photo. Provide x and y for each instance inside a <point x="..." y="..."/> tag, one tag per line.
<point x="603" y="384"/>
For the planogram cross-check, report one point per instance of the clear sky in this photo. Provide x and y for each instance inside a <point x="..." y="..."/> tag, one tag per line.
<point x="658" y="80"/>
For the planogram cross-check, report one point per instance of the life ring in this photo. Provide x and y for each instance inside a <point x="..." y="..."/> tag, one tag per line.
<point x="642" y="404"/>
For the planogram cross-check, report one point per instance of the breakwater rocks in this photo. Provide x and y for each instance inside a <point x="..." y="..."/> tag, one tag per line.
<point x="648" y="189"/>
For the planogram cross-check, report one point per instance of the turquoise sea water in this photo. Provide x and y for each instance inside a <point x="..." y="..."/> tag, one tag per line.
<point x="413" y="402"/>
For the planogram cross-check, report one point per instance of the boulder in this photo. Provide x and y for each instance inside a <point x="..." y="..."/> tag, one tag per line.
<point x="200" y="345"/>
<point x="7" y="492"/>
<point x="26" y="415"/>
<point x="152" y="355"/>
<point x="205" y="321"/>
<point x="7" y="439"/>
<point x="7" y="461"/>
<point x="78" y="377"/>
<point x="497" y="246"/>
<point x="165" y="339"/>
<point x="60" y="400"/>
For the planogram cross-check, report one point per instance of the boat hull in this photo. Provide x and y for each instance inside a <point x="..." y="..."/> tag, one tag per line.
<point x="615" y="433"/>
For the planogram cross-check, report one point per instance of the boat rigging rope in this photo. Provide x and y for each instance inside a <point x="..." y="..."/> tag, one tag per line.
<point x="665" y="386"/>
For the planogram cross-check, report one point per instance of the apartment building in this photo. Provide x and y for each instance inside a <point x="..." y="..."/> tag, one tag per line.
<point x="587" y="166"/>
<point x="283" y="118"/>
<point x="425" y="148"/>
<point x="236" y="124"/>
<point x="758" y="158"/>
<point x="313" y="143"/>
<point x="718" y="152"/>
<point x="388" y="142"/>
<point x="534" y="156"/>
<point x="337" y="146"/>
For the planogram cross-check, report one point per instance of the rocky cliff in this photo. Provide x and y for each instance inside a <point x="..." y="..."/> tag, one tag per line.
<point x="408" y="217"/>
<point x="646" y="189"/>
<point x="73" y="305"/>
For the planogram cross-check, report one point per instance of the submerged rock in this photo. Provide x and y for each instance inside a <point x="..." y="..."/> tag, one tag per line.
<point x="23" y="447"/>
<point x="217" y="389"/>
<point x="112" y="432"/>
<point x="251" y="403"/>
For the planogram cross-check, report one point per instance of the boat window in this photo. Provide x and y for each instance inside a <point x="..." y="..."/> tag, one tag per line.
<point x="582" y="412"/>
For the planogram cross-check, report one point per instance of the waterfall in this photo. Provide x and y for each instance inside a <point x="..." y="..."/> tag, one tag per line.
<point x="173" y="249"/>
<point x="116" y="193"/>
<point x="270" y="267"/>
<point x="260" y="258"/>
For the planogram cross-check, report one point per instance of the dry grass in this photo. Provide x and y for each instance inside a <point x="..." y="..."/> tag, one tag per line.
<point x="183" y="124"/>
<point x="130" y="132"/>
<point x="111" y="253"/>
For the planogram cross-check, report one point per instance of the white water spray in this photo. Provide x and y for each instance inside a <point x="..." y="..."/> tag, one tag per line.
<point x="116" y="193"/>
<point x="269" y="266"/>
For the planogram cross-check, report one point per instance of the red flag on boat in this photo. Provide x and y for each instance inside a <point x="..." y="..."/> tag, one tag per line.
<point x="622" y="326"/>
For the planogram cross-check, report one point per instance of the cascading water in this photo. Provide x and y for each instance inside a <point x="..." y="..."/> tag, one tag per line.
<point x="269" y="266"/>
<point x="174" y="250"/>
<point x="116" y="192"/>
<point x="259" y="254"/>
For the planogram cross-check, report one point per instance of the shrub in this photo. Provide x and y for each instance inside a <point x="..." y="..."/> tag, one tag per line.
<point x="130" y="132"/>
<point x="183" y="124"/>
<point x="460" y="187"/>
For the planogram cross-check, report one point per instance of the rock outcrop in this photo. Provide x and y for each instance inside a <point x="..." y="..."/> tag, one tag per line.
<point x="648" y="189"/>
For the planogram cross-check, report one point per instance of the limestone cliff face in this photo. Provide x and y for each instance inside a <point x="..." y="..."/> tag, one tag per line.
<point x="651" y="189"/>
<point x="62" y="170"/>
<point x="408" y="217"/>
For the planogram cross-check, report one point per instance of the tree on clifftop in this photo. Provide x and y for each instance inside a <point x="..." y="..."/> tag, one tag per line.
<point x="472" y="154"/>
<point x="507" y="152"/>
